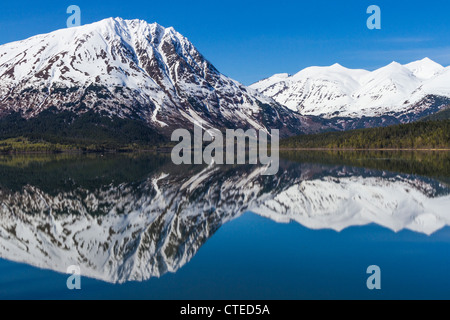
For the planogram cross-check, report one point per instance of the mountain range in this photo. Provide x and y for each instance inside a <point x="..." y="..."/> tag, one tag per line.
<point x="155" y="79"/>
<point x="405" y="92"/>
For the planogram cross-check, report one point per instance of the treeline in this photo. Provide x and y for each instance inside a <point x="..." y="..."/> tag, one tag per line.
<point x="424" y="163"/>
<point x="441" y="115"/>
<point x="56" y="173"/>
<point x="62" y="131"/>
<point x="418" y="135"/>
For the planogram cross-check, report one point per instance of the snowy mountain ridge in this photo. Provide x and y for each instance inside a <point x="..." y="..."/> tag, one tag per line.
<point x="394" y="90"/>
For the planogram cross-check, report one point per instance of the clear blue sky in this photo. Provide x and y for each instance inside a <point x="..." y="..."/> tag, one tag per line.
<point x="250" y="40"/>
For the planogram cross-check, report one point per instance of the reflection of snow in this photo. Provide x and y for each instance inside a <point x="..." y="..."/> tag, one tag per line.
<point x="155" y="183"/>
<point x="141" y="230"/>
<point x="343" y="202"/>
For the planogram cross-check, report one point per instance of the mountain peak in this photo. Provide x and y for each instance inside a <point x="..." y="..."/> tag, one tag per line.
<point x="337" y="66"/>
<point x="125" y="28"/>
<point x="394" y="64"/>
<point x="118" y="21"/>
<point x="426" y="59"/>
<point x="425" y="68"/>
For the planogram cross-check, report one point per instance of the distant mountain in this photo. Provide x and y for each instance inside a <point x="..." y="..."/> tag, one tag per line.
<point x="130" y="69"/>
<point x="402" y="92"/>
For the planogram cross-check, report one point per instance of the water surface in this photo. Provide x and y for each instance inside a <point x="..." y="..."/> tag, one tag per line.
<point x="140" y="227"/>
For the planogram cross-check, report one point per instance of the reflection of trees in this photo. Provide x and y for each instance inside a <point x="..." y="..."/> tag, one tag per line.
<point x="127" y="217"/>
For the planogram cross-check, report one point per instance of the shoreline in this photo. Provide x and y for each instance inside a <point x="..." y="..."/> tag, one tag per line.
<point x="56" y="152"/>
<point x="168" y="150"/>
<point x="368" y="149"/>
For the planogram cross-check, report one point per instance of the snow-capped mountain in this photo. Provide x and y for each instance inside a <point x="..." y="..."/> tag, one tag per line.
<point x="132" y="69"/>
<point x="132" y="231"/>
<point x="406" y="92"/>
<point x="424" y="69"/>
<point x="437" y="85"/>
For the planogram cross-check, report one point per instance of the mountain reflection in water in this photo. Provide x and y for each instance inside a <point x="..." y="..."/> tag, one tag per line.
<point x="133" y="217"/>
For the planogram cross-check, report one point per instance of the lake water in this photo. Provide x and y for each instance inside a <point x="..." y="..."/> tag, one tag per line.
<point x="140" y="227"/>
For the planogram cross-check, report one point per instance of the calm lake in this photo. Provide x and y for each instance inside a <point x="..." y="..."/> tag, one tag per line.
<point x="140" y="227"/>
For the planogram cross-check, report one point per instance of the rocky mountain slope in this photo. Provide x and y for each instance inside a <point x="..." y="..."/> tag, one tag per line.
<point x="135" y="70"/>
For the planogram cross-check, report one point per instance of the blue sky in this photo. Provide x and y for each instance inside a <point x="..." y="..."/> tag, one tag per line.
<point x="251" y="40"/>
